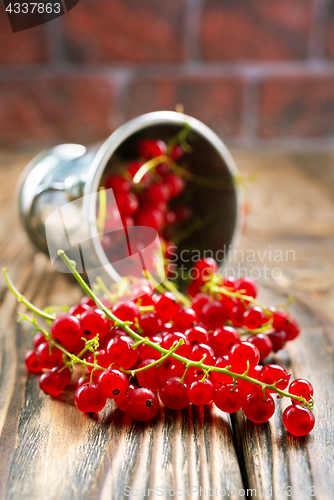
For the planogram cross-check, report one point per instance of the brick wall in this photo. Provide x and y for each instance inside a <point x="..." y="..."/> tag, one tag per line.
<point x="256" y="71"/>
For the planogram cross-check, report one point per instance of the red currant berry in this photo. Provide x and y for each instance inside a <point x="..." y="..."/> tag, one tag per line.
<point x="89" y="399"/>
<point x="32" y="362"/>
<point x="66" y="330"/>
<point x="205" y="268"/>
<point x="263" y="343"/>
<point x="199" y="301"/>
<point x="49" y="357"/>
<point x="171" y="338"/>
<point x="51" y="383"/>
<point x="113" y="383"/>
<point x="201" y="393"/>
<point x="173" y="394"/>
<point x="214" y="314"/>
<point x="64" y="373"/>
<point x="121" y="353"/>
<point x="222" y="362"/>
<point x="194" y="289"/>
<point x="184" y="320"/>
<point x="142" y="404"/>
<point x="222" y="339"/>
<point x="147" y="352"/>
<point x="127" y="203"/>
<point x="229" y="282"/>
<point x="82" y="381"/>
<point x="152" y="378"/>
<point x="166" y="306"/>
<point x="256" y="408"/>
<point x="150" y="323"/>
<point x="157" y="192"/>
<point x="275" y="374"/>
<point x="237" y="314"/>
<point x="249" y="387"/>
<point x="201" y="350"/>
<point x="197" y="335"/>
<point x="117" y="183"/>
<point x="280" y="319"/>
<point x="177" y="152"/>
<point x="183" y="213"/>
<point x="128" y="311"/>
<point x="175" y="184"/>
<point x="134" y="167"/>
<point x="78" y="309"/>
<point x="228" y="398"/>
<point x="151" y="148"/>
<point x="88" y="301"/>
<point x="297" y="420"/>
<point x="150" y="218"/>
<point x="38" y="339"/>
<point x="253" y="318"/>
<point x="278" y="339"/>
<point x="247" y="286"/>
<point x="301" y="387"/>
<point x="94" y="322"/>
<point x="241" y="353"/>
<point x="292" y="330"/>
<point x="122" y="399"/>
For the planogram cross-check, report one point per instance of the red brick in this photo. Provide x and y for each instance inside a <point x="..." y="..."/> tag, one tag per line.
<point x="256" y="29"/>
<point x="297" y="106"/>
<point x="72" y="108"/>
<point x="125" y="30"/>
<point x="23" y="48"/>
<point x="216" y="101"/>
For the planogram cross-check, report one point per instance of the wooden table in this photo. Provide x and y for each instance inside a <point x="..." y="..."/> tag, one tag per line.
<point x="50" y="451"/>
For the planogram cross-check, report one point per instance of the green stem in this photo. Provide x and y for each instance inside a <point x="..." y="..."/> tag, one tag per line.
<point x="23" y="300"/>
<point x="196" y="364"/>
<point x="149" y="165"/>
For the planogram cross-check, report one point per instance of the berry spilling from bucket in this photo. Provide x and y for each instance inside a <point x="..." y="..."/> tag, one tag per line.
<point x="201" y="348"/>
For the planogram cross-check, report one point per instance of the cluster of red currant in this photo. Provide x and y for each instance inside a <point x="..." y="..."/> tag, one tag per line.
<point x="181" y="351"/>
<point x="145" y="189"/>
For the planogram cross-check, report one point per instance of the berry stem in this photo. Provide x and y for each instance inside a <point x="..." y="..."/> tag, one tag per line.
<point x="197" y="364"/>
<point x="21" y="299"/>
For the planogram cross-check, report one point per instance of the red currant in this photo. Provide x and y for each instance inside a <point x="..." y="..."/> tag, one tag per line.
<point x="166" y="306"/>
<point x="222" y="339"/>
<point x="38" y="339"/>
<point x="150" y="323"/>
<point x="171" y="338"/>
<point x="121" y="353"/>
<point x="51" y="383"/>
<point x="214" y="314"/>
<point x="256" y="408"/>
<point x="117" y="183"/>
<point x="301" y="387"/>
<point x="173" y="394"/>
<point x="142" y="404"/>
<point x="150" y="148"/>
<point x="228" y="398"/>
<point x="205" y="268"/>
<point x="184" y="320"/>
<point x="122" y="399"/>
<point x="222" y="362"/>
<point x="175" y="184"/>
<point x="147" y="352"/>
<point x="292" y="330"/>
<point x="241" y="353"/>
<point x="94" y="322"/>
<point x="201" y="393"/>
<point x="278" y="339"/>
<point x="263" y="343"/>
<point x="197" y="335"/>
<point x="66" y="330"/>
<point x="253" y="318"/>
<point x="49" y="357"/>
<point x="297" y="420"/>
<point x="128" y="311"/>
<point x="113" y="383"/>
<point x="89" y="399"/>
<point x="32" y="362"/>
<point x="153" y="377"/>
<point x="280" y="319"/>
<point x="201" y="350"/>
<point x="237" y="314"/>
<point x="247" y="286"/>
<point x="275" y="374"/>
<point x="199" y="301"/>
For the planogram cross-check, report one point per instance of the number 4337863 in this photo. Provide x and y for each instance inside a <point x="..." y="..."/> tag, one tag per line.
<point x="33" y="7"/>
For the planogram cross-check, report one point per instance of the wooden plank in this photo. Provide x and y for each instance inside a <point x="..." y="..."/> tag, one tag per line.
<point x="273" y="460"/>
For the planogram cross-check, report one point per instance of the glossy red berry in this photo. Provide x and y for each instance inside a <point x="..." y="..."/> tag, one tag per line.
<point x="175" y="184"/>
<point x="241" y="353"/>
<point x="199" y="301"/>
<point x="205" y="268"/>
<point x="150" y="148"/>
<point x="51" y="383"/>
<point x="222" y="362"/>
<point x="249" y="387"/>
<point x="157" y="192"/>
<point x="197" y="335"/>
<point x="237" y="314"/>
<point x="153" y="377"/>
<point x="82" y="381"/>
<point x="228" y="398"/>
<point x="247" y="286"/>
<point x="38" y="339"/>
<point x="278" y="339"/>
<point x="214" y="314"/>
<point x="201" y="350"/>
<point x="229" y="282"/>
<point x="173" y="394"/>
<point x="88" y="301"/>
<point x="94" y="322"/>
<point x="177" y="152"/>
<point x="142" y="404"/>
<point x="253" y="318"/>
<point x="66" y="330"/>
<point x="256" y="408"/>
<point x="117" y="183"/>
<point x="150" y="218"/>
<point x="297" y="420"/>
<point x="78" y="309"/>
<point x="222" y="339"/>
<point x="128" y="311"/>
<point x="166" y="306"/>
<point x="49" y="357"/>
<point x="122" y="399"/>
<point x="171" y="338"/>
<point x="32" y="362"/>
<point x="201" y="393"/>
<point x="121" y="353"/>
<point x="150" y="323"/>
<point x="280" y="319"/>
<point x="89" y="399"/>
<point x="64" y="373"/>
<point x="147" y="352"/>
<point x="271" y="374"/>
<point x="301" y="387"/>
<point x="263" y="343"/>
<point x="113" y="383"/>
<point x="292" y="330"/>
<point x="127" y="203"/>
<point x="184" y="320"/>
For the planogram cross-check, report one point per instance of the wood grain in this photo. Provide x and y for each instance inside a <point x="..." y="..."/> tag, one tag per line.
<point x="49" y="451"/>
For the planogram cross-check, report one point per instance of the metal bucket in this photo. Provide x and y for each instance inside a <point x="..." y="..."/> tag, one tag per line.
<point x="70" y="171"/>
